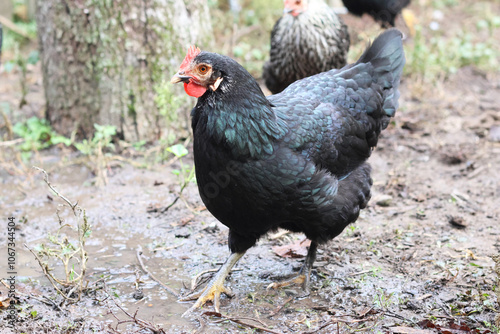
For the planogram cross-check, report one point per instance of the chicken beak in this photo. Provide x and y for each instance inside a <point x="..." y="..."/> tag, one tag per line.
<point x="178" y="78"/>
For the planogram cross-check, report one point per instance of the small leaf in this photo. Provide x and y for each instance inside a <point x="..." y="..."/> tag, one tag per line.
<point x="295" y="250"/>
<point x="238" y="51"/>
<point x="8" y="66"/>
<point x="178" y="150"/>
<point x="33" y="57"/>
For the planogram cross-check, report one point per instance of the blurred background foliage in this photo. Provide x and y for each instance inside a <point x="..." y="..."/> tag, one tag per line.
<point x="449" y="35"/>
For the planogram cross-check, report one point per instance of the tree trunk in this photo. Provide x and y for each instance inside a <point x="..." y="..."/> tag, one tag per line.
<point x="108" y="62"/>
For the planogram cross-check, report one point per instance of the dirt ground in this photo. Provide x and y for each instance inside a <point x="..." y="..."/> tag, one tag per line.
<point x="418" y="260"/>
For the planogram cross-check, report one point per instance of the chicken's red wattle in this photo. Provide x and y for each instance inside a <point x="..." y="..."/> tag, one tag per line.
<point x="193" y="89"/>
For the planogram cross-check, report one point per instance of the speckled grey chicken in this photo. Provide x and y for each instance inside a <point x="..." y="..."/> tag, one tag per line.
<point x="308" y="39"/>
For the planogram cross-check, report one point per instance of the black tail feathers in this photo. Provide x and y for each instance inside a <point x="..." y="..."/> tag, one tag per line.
<point x="386" y="55"/>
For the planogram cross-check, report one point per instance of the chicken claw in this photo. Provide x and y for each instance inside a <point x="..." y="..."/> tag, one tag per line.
<point x="215" y="287"/>
<point x="211" y="292"/>
<point x="305" y="272"/>
<point x="299" y="279"/>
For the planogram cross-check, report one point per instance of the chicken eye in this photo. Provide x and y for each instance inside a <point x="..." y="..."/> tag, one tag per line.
<point x="203" y="69"/>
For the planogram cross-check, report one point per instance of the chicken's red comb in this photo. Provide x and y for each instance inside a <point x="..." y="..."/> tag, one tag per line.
<point x="193" y="51"/>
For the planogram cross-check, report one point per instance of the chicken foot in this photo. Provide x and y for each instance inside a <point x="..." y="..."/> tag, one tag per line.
<point x="215" y="287"/>
<point x="304" y="275"/>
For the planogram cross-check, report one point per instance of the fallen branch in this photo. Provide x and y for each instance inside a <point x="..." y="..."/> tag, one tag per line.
<point x="46" y="179"/>
<point x="8" y="124"/>
<point x="46" y="300"/>
<point x="279" y="308"/>
<point x="400" y="317"/>
<point x="133" y="319"/>
<point x="243" y="323"/>
<point x="360" y="273"/>
<point x="12" y="142"/>
<point x="326" y="324"/>
<point x="337" y="321"/>
<point x="169" y="289"/>
<point x="376" y="314"/>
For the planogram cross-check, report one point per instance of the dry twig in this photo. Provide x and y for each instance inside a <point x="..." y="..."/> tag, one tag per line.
<point x="240" y="321"/>
<point x="13" y="27"/>
<point x="279" y="308"/>
<point x="169" y="289"/>
<point x="46" y="300"/>
<point x="11" y="142"/>
<point x="132" y="319"/>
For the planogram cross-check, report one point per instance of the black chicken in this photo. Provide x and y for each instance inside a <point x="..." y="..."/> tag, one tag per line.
<point x="308" y="39"/>
<point x="294" y="160"/>
<point x="384" y="11"/>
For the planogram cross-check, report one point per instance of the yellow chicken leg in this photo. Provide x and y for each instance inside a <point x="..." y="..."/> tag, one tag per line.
<point x="215" y="287"/>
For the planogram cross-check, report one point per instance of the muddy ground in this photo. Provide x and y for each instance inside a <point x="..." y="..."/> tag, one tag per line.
<point x="418" y="260"/>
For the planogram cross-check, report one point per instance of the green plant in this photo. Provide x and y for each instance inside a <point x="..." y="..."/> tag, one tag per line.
<point x="186" y="173"/>
<point x="139" y="146"/>
<point x="351" y="230"/>
<point x="246" y="30"/>
<point x="102" y="139"/>
<point x="25" y="31"/>
<point x="98" y="151"/>
<point x="37" y="135"/>
<point x="382" y="299"/>
<point x="375" y="271"/>
<point x="21" y="62"/>
<point x="444" y="3"/>
<point x="489" y="22"/>
<point x="168" y="103"/>
<point x="66" y="247"/>
<point x="437" y="57"/>
<point x="252" y="57"/>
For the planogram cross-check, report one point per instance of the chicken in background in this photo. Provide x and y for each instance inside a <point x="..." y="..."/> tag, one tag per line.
<point x="294" y="160"/>
<point x="383" y="11"/>
<point x="308" y="39"/>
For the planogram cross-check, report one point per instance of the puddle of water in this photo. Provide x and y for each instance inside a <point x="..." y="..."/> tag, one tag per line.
<point x="118" y="263"/>
<point x="120" y="226"/>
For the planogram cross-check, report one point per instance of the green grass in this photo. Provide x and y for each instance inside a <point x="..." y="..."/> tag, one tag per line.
<point x="37" y="135"/>
<point x="437" y="57"/>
